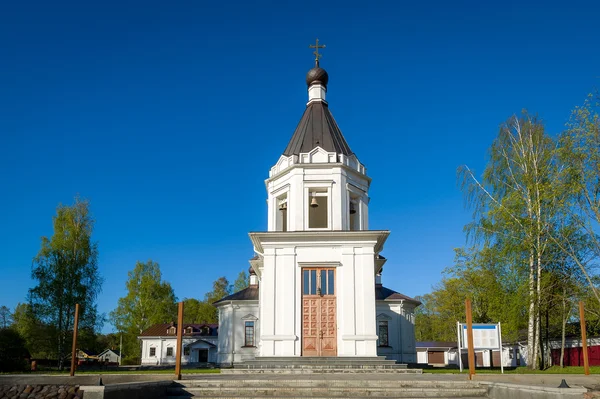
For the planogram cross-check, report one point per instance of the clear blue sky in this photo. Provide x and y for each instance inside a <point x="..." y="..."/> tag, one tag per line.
<point x="168" y="115"/>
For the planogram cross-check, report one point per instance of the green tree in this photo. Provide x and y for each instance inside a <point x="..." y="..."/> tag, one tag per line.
<point x="149" y="301"/>
<point x="66" y="272"/>
<point x="40" y="338"/>
<point x="241" y="282"/>
<point x="197" y="312"/>
<point x="6" y="318"/>
<point x="580" y="156"/>
<point x="107" y="341"/>
<point x="515" y="203"/>
<point x="476" y="274"/>
<point x="13" y="353"/>
<point x="221" y="288"/>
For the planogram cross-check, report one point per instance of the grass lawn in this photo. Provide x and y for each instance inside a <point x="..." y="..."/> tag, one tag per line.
<point x="518" y="370"/>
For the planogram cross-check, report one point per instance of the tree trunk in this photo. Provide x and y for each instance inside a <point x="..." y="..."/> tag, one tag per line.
<point x="538" y="295"/>
<point x="563" y="333"/>
<point x="531" y="344"/>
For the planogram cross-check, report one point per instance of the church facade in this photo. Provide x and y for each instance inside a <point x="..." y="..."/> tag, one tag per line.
<point x="315" y="281"/>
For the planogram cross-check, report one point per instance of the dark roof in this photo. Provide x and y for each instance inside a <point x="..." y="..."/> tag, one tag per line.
<point x="115" y="351"/>
<point x="383" y="293"/>
<point x="317" y="128"/>
<point x="247" y="294"/>
<point x="88" y="352"/>
<point x="160" y="330"/>
<point x="436" y="344"/>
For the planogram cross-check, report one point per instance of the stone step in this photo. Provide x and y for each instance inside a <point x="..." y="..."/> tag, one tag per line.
<point x="317" y="366"/>
<point x="333" y="392"/>
<point x="324" y="397"/>
<point x="324" y="388"/>
<point x="320" y="362"/>
<point x="323" y="383"/>
<point x="321" y="370"/>
<point x="320" y="358"/>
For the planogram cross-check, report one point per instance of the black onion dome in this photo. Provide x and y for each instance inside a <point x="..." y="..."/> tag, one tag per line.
<point x="317" y="74"/>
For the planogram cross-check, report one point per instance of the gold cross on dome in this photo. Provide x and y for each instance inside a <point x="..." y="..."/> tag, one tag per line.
<point x="317" y="46"/>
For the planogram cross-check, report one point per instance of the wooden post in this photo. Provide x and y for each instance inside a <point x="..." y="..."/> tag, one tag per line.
<point x="586" y="362"/>
<point x="470" y="348"/>
<point x="74" y="349"/>
<point x="179" y="342"/>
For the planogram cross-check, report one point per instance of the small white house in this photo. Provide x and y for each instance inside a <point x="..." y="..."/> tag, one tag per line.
<point x="111" y="356"/>
<point x="159" y="344"/>
<point x="437" y="353"/>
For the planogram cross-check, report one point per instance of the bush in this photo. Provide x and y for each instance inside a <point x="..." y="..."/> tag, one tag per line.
<point x="13" y="353"/>
<point x="131" y="360"/>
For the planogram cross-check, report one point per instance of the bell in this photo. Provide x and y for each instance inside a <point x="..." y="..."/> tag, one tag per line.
<point x="314" y="203"/>
<point x="283" y="207"/>
<point x="352" y="208"/>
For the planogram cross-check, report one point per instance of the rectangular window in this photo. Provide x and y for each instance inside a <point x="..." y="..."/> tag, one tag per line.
<point x="186" y="351"/>
<point x="318" y="216"/>
<point x="313" y="282"/>
<point x="249" y="334"/>
<point x="305" y="282"/>
<point x="152" y="351"/>
<point x="383" y="333"/>
<point x="169" y="351"/>
<point x="330" y="282"/>
<point x="318" y="282"/>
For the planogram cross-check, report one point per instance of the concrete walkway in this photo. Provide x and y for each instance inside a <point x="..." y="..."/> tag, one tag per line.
<point x="546" y="380"/>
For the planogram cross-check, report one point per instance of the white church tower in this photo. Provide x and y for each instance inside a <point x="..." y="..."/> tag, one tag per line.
<point x="318" y="266"/>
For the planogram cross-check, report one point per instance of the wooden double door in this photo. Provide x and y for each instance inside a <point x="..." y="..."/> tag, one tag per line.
<point x="319" y="318"/>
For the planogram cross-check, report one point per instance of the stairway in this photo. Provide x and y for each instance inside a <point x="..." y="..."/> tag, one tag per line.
<point x="320" y="365"/>
<point x="324" y="388"/>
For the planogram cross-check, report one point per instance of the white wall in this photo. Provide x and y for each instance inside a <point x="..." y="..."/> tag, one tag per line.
<point x="281" y="295"/>
<point x="401" y="331"/>
<point x="232" y="318"/>
<point x="110" y="357"/>
<point x="162" y="343"/>
<point x="294" y="176"/>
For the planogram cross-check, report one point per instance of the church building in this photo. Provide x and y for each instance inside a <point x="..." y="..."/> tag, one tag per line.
<point x="315" y="281"/>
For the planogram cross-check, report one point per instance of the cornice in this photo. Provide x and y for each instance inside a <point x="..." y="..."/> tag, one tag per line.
<point x="332" y="237"/>
<point x="318" y="166"/>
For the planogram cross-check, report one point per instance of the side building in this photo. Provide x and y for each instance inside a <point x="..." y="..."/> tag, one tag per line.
<point x="159" y="344"/>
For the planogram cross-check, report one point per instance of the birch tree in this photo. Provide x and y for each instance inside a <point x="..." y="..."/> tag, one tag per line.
<point x="6" y="318"/>
<point x="514" y="204"/>
<point x="580" y="154"/>
<point x="66" y="272"/>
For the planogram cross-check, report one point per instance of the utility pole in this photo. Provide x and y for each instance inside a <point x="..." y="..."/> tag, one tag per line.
<point x="471" y="349"/>
<point x="586" y="362"/>
<point x="179" y="342"/>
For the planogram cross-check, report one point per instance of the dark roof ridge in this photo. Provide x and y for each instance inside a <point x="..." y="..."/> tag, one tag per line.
<point x="317" y="128"/>
<point x="383" y="293"/>
<point x="249" y="293"/>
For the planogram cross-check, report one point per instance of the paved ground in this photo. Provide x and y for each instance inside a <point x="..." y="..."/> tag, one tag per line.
<point x="549" y="380"/>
